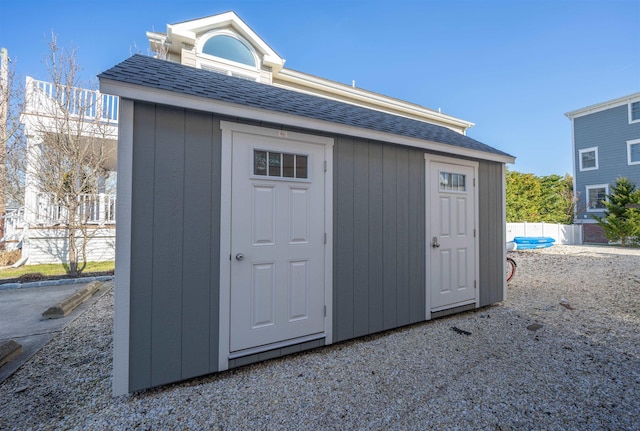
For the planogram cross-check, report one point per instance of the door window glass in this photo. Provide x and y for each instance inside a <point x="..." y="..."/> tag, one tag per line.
<point x="259" y="162"/>
<point x="450" y="182"/>
<point x="301" y="166"/>
<point x="288" y="165"/>
<point x="276" y="164"/>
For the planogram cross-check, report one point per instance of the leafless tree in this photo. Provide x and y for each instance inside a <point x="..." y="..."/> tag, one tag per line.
<point x="68" y="151"/>
<point x="11" y="182"/>
<point x="158" y="45"/>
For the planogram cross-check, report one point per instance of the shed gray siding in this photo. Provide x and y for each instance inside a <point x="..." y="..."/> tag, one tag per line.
<point x="378" y="264"/>
<point x="491" y="232"/>
<point x="609" y="130"/>
<point x="379" y="236"/>
<point x="175" y="243"/>
<point x="378" y="242"/>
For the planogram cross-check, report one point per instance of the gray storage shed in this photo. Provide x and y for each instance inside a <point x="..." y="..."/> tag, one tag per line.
<point x="255" y="221"/>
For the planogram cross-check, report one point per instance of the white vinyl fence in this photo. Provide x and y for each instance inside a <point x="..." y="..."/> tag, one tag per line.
<point x="562" y="233"/>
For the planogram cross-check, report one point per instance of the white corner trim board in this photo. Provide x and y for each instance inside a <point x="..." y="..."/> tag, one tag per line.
<point x="122" y="290"/>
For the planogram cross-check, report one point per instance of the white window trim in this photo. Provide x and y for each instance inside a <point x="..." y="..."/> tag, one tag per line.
<point x="631" y="121"/>
<point x="588" y="150"/>
<point x="595" y="186"/>
<point x="230" y="66"/>
<point x="629" y="145"/>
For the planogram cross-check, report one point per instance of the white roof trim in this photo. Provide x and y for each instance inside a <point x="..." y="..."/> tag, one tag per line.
<point x="369" y="98"/>
<point x="620" y="101"/>
<point x="167" y="97"/>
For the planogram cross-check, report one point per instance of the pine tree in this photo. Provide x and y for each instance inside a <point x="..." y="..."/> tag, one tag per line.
<point x="621" y="221"/>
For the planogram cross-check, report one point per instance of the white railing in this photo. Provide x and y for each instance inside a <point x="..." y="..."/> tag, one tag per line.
<point x="14" y="218"/>
<point x="92" y="209"/>
<point x="13" y="224"/>
<point x="48" y="99"/>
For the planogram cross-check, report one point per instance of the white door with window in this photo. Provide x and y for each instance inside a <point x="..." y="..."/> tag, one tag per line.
<point x="451" y="238"/>
<point x="277" y="292"/>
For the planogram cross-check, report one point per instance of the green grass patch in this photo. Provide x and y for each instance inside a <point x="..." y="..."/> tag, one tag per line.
<point x="53" y="270"/>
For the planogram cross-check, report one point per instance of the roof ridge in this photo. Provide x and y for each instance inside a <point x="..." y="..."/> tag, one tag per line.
<point x="151" y="72"/>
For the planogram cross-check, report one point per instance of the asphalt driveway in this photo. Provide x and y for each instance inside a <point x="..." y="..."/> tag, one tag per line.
<point x="21" y="318"/>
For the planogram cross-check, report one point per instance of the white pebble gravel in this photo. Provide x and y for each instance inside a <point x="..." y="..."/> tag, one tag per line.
<point x="579" y="371"/>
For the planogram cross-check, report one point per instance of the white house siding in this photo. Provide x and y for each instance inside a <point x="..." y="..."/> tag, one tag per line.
<point x="189" y="57"/>
<point x="50" y="245"/>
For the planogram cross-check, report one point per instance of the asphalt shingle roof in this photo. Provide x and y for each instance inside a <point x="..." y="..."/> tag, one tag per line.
<point x="160" y="74"/>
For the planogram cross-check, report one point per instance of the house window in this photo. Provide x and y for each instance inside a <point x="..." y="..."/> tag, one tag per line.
<point x="633" y="152"/>
<point x="283" y="165"/>
<point x="452" y="182"/>
<point x="229" y="48"/>
<point x="227" y="53"/>
<point x="589" y="159"/>
<point x="596" y="195"/>
<point x="634" y="112"/>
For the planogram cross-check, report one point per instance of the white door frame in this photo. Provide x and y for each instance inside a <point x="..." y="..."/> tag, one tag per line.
<point x="428" y="235"/>
<point x="228" y="128"/>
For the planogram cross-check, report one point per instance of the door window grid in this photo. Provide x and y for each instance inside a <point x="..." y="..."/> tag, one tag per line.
<point x="283" y="165"/>
<point x="450" y="182"/>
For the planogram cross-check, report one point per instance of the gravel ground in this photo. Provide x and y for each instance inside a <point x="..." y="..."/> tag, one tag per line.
<point x="580" y="370"/>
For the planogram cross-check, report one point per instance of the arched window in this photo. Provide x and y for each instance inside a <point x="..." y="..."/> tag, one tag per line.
<point x="229" y="48"/>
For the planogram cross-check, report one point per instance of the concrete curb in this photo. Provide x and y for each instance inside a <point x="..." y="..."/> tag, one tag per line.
<point x="65" y="307"/>
<point x="55" y="282"/>
<point x="9" y="350"/>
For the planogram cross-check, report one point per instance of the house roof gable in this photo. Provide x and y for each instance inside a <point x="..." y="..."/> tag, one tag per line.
<point x="187" y="32"/>
<point x="158" y="74"/>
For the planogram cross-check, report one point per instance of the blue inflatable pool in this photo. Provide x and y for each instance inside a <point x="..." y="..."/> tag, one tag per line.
<point x="531" y="242"/>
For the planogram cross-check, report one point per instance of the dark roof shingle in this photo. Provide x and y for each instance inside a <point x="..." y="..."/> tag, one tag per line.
<point x="160" y="74"/>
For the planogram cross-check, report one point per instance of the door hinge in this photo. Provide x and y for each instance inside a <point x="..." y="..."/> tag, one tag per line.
<point x="325" y="311"/>
<point x="325" y="237"/>
<point x="475" y="284"/>
<point x="474" y="182"/>
<point x="325" y="166"/>
<point x="474" y="232"/>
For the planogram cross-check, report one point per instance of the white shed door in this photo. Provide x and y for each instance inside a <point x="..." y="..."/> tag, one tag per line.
<point x="452" y="242"/>
<point x="277" y="242"/>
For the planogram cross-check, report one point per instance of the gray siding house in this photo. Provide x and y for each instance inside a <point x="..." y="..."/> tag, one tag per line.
<point x="255" y="221"/>
<point x="606" y="146"/>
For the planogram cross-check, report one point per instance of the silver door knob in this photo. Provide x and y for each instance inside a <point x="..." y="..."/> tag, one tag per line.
<point x="240" y="257"/>
<point x="434" y="242"/>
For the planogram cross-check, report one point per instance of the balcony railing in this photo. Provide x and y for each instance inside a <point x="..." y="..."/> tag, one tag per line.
<point x="94" y="209"/>
<point x="46" y="98"/>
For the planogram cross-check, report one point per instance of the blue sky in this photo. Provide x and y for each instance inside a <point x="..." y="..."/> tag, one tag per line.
<point x="511" y="67"/>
